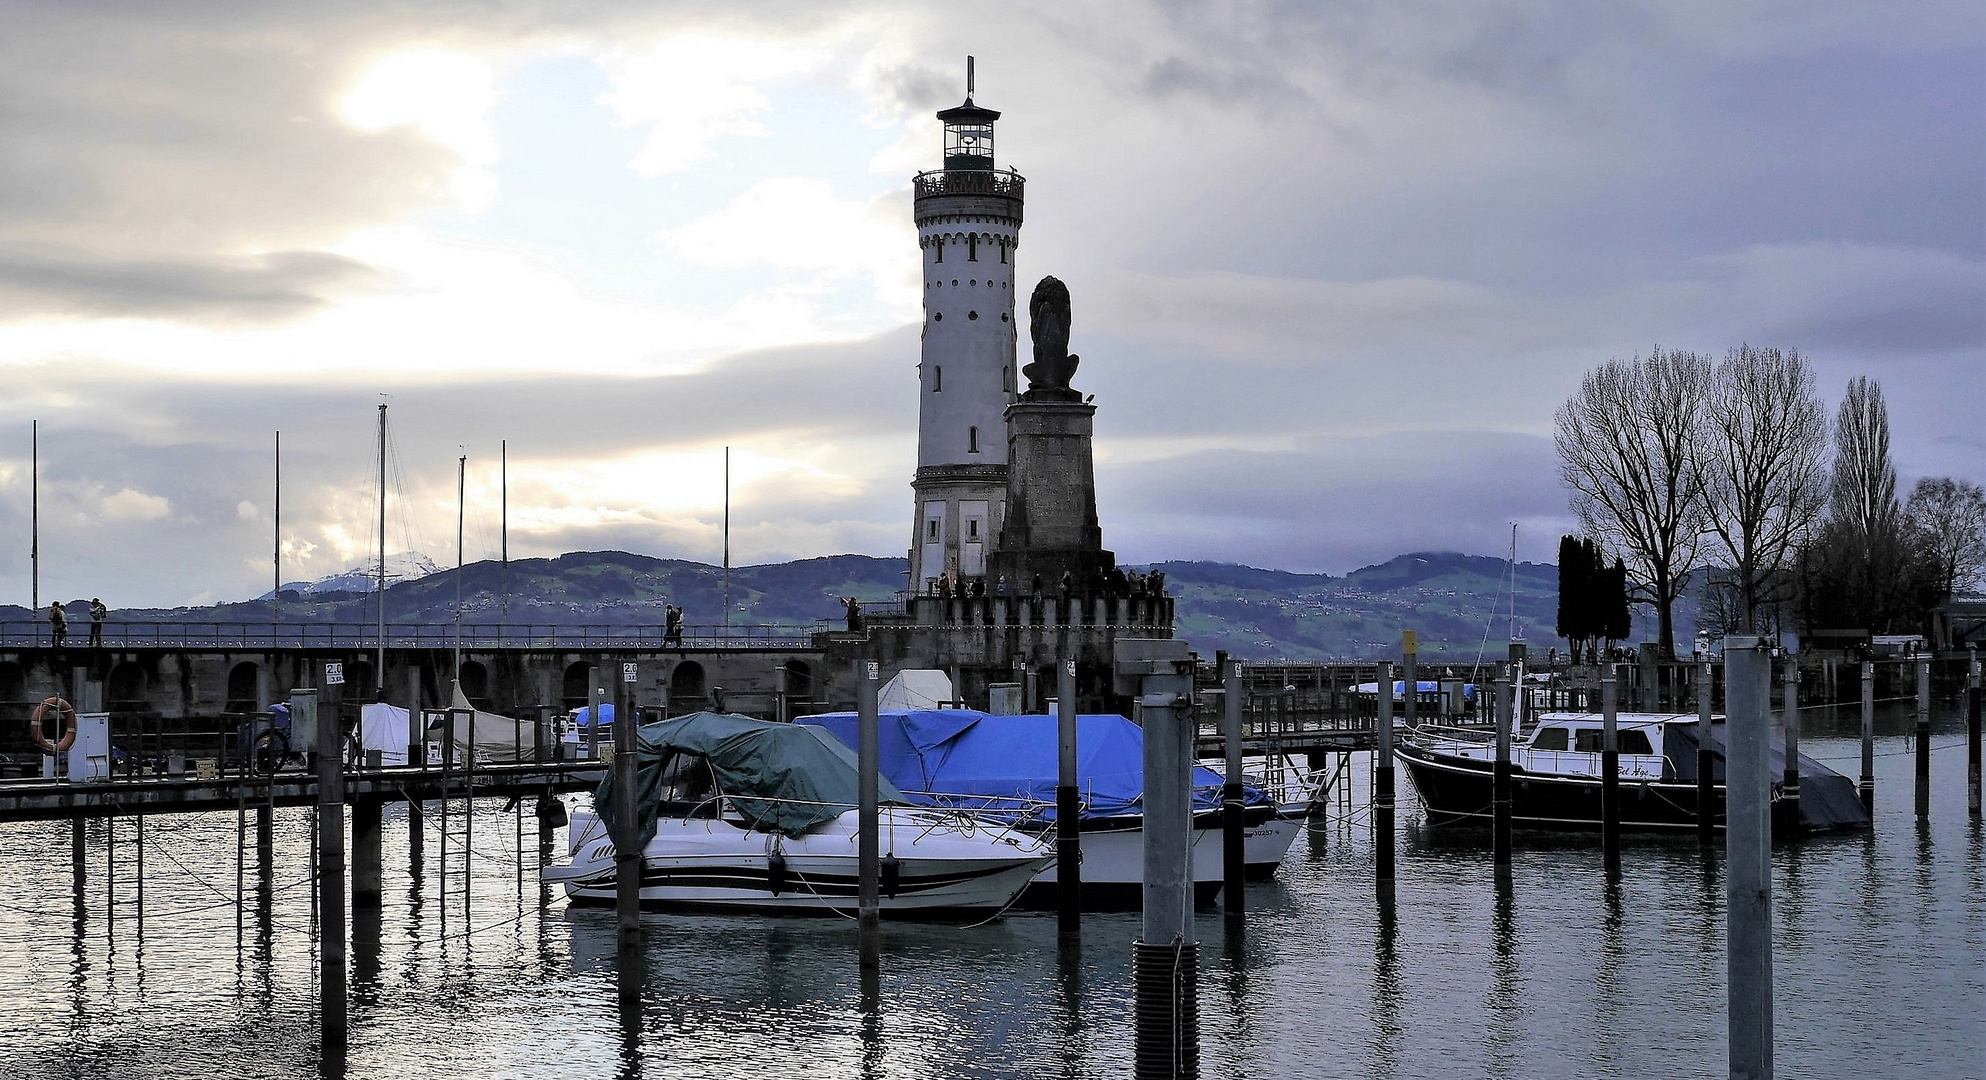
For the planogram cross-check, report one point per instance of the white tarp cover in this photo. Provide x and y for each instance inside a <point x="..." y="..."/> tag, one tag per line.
<point x="383" y="728"/>
<point x="915" y="689"/>
<point x="498" y="738"/>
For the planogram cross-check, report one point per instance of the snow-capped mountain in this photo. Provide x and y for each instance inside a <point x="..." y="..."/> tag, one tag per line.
<point x="400" y="566"/>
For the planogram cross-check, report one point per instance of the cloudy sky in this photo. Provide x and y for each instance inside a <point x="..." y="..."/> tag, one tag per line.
<point x="1334" y="264"/>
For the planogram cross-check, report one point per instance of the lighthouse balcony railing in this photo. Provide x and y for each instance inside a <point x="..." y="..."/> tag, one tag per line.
<point x="970" y="182"/>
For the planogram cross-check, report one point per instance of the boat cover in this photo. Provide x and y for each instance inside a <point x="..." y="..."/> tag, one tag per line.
<point x="384" y="728"/>
<point x="1828" y="800"/>
<point x="915" y="688"/>
<point x="781" y="777"/>
<point x="582" y="717"/>
<point x="1011" y="762"/>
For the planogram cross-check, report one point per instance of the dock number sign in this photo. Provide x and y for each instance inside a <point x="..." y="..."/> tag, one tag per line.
<point x="627" y="673"/>
<point x="334" y="674"/>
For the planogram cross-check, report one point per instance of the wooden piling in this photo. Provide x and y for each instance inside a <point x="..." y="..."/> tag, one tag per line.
<point x="1867" y="784"/>
<point x="1610" y="769"/>
<point x="1165" y="958"/>
<point x="868" y="848"/>
<point x="1706" y="758"/>
<point x="627" y="834"/>
<point x="1500" y="775"/>
<point x="1748" y="856"/>
<point x="368" y="823"/>
<point x="1068" y="808"/>
<point x="1382" y="787"/>
<point x="1923" y="738"/>
<point x="330" y="869"/>
<point x="1410" y="672"/>
<point x="1234" y="858"/>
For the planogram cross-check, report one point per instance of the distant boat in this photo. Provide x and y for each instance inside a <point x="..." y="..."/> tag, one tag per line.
<point x="750" y="815"/>
<point x="1555" y="775"/>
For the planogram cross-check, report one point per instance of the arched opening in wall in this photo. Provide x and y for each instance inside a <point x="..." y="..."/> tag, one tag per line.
<point x="13" y="682"/>
<point x="939" y="247"/>
<point x="686" y="689"/>
<point x="241" y="688"/>
<point x="475" y="679"/>
<point x="125" y="689"/>
<point x="972" y="440"/>
<point x="359" y="681"/>
<point x="577" y="687"/>
<point x="799" y="680"/>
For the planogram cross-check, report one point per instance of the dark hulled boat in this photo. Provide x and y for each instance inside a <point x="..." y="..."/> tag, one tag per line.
<point x="1555" y="776"/>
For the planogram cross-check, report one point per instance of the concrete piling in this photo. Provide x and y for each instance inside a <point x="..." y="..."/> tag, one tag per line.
<point x="868" y="851"/>
<point x="627" y="845"/>
<point x="1748" y="856"/>
<point x="1068" y="808"/>
<point x="1165" y="959"/>
<point x="1610" y="769"/>
<point x="1972" y="739"/>
<point x="1382" y="788"/>
<point x="1923" y="738"/>
<point x="1410" y="672"/>
<point x="368" y="825"/>
<point x="1234" y="859"/>
<point x="330" y="869"/>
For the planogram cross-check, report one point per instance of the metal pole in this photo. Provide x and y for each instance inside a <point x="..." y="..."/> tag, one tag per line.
<point x="276" y="597"/>
<point x="1610" y="768"/>
<point x="461" y="512"/>
<point x="1789" y="808"/>
<point x="34" y="528"/>
<point x="1382" y="785"/>
<point x="1068" y="807"/>
<point x="868" y="853"/>
<point x="1748" y="847"/>
<point x="1868" y="782"/>
<point x="379" y="589"/>
<point x="1234" y="853"/>
<point x="1923" y="738"/>
<point x="503" y="528"/>
<point x="1972" y="739"/>
<point x="1500" y="777"/>
<point x="627" y="846"/>
<point x="727" y="542"/>
<point x="1706" y="758"/>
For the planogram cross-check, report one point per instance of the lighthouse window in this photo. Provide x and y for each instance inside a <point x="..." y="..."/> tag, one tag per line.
<point x="937" y="380"/>
<point x="1003" y="252"/>
<point x="972" y="447"/>
<point x="973" y="315"/>
<point x="1003" y="316"/>
<point x="938" y="317"/>
<point x="972" y="524"/>
<point x="939" y="246"/>
<point x="931" y="529"/>
<point x="972" y="248"/>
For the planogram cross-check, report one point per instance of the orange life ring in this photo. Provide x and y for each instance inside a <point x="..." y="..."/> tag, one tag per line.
<point x="68" y="738"/>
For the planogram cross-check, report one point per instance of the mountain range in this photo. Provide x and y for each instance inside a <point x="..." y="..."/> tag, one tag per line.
<point x="1459" y="605"/>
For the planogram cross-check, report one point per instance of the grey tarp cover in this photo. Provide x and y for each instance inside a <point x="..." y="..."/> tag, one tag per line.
<point x="1828" y="800"/>
<point x="786" y="778"/>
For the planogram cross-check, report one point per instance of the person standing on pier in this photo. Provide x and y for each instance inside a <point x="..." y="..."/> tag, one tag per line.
<point x="58" y="622"/>
<point x="98" y="613"/>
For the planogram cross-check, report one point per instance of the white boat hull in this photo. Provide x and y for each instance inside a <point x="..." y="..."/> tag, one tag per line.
<point x="713" y="863"/>
<point x="1114" y="861"/>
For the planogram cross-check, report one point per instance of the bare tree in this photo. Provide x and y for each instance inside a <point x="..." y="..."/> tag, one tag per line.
<point x="1627" y="444"/>
<point x="1949" y="517"/>
<point x="1762" y="468"/>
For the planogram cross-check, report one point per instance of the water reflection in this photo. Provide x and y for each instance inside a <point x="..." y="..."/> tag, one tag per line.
<point x="1386" y="994"/>
<point x="1505" y="1003"/>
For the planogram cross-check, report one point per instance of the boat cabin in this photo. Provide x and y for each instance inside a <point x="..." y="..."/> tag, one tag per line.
<point x="1569" y="744"/>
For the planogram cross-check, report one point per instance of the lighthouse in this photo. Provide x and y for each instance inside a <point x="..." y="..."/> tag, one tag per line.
<point x="968" y="216"/>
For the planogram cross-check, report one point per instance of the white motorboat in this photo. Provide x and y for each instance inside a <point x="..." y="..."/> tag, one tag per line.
<point x="761" y="816"/>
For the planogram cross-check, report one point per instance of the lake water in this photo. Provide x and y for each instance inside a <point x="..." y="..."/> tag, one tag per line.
<point x="1880" y="964"/>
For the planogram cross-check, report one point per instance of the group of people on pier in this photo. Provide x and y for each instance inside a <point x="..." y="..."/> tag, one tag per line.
<point x="1113" y="584"/>
<point x="58" y="622"/>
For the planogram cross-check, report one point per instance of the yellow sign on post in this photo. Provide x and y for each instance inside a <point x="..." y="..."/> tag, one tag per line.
<point x="1408" y="642"/>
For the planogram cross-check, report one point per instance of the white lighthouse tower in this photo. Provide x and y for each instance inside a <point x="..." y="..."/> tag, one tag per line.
<point x="968" y="226"/>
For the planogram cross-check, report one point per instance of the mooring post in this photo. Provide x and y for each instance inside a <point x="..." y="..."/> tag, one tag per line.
<point x="1234" y="850"/>
<point x="1706" y="758"/>
<point x="417" y="757"/>
<point x="1410" y="674"/>
<point x="1868" y="781"/>
<point x="368" y="823"/>
<point x="869" y="845"/>
<point x="1157" y="674"/>
<point x="1610" y="769"/>
<point x="330" y="867"/>
<point x="1500" y="774"/>
<point x="1748" y="855"/>
<point x="1382" y="786"/>
<point x="1789" y="803"/>
<point x="1923" y="738"/>
<point x="627" y="834"/>
<point x="1068" y="807"/>
<point x="1972" y="779"/>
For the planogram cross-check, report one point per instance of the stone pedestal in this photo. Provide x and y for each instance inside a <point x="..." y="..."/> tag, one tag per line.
<point x="1051" y="524"/>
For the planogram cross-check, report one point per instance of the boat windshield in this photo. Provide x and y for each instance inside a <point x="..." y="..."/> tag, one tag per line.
<point x="689" y="788"/>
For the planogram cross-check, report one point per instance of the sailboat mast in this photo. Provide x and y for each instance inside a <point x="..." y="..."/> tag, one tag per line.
<point x="503" y="523"/>
<point x="1513" y="581"/>
<point x="727" y="542"/>
<point x="461" y="494"/>
<point x="379" y="661"/>
<point x="277" y="559"/>
<point x="34" y="528"/>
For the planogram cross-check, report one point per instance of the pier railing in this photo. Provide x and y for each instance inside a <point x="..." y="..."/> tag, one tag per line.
<point x="360" y="636"/>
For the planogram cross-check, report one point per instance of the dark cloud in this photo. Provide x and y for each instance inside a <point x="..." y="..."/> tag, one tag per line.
<point x="276" y="286"/>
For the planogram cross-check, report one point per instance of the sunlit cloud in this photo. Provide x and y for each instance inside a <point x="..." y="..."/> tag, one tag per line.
<point x="446" y="97"/>
<point x="693" y="90"/>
